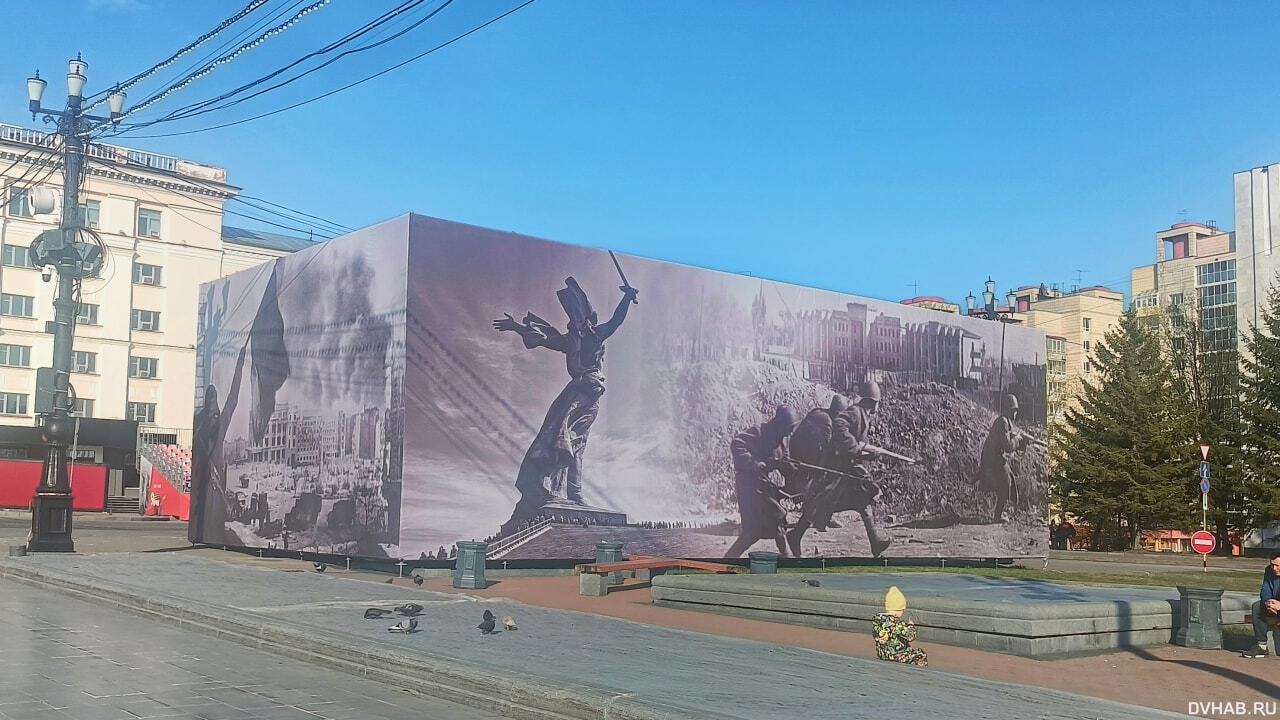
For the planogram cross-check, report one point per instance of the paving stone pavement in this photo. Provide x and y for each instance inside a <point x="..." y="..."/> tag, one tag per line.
<point x="66" y="659"/>
<point x="661" y="671"/>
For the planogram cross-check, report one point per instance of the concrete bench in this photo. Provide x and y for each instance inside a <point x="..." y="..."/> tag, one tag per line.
<point x="593" y="578"/>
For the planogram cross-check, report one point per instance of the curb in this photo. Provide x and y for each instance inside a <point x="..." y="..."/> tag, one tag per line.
<point x="433" y="677"/>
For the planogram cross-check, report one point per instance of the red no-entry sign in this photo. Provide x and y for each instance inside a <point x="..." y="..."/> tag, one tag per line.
<point x="1203" y="542"/>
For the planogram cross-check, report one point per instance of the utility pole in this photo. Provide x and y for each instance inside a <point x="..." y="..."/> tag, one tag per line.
<point x="75" y="252"/>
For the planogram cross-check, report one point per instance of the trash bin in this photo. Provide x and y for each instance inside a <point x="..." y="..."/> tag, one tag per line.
<point x="763" y="562"/>
<point x="608" y="552"/>
<point x="1199" y="617"/>
<point x="468" y="568"/>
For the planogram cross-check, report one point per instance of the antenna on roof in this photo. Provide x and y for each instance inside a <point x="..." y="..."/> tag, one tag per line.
<point x="1184" y="214"/>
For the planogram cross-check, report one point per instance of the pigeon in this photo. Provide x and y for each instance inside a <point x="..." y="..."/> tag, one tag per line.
<point x="812" y="583"/>
<point x="409" y="609"/>
<point x="486" y="627"/>
<point x="509" y="623"/>
<point x="417" y="580"/>
<point x="407" y="625"/>
<point x="375" y="613"/>
<point x="320" y="567"/>
<point x="390" y="580"/>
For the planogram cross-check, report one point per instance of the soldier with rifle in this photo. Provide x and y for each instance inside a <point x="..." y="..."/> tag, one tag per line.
<point x="994" y="473"/>
<point x="846" y="482"/>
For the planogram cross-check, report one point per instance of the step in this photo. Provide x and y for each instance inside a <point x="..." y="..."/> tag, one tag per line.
<point x="123" y="505"/>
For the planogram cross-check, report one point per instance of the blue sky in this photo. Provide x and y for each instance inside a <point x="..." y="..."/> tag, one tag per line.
<point x="846" y="145"/>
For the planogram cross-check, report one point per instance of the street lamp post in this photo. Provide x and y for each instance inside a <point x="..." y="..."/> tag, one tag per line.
<point x="66" y="250"/>
<point x="989" y="309"/>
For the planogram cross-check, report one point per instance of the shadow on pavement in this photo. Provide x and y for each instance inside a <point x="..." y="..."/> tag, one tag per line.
<point x="1268" y="689"/>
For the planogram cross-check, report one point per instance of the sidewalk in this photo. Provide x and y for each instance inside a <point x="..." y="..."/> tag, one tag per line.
<point x="558" y="664"/>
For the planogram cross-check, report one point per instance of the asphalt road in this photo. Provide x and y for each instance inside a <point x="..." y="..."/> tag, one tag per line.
<point x="65" y="659"/>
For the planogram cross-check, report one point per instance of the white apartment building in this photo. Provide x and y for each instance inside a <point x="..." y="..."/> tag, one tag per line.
<point x="161" y="219"/>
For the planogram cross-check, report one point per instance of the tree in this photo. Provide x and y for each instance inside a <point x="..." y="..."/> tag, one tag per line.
<point x="1122" y="459"/>
<point x="1260" y="415"/>
<point x="1206" y="363"/>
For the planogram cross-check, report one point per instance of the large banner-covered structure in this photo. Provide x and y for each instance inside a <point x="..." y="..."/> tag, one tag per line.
<point x="421" y="382"/>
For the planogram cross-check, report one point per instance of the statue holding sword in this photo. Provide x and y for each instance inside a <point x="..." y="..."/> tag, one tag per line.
<point x="552" y="466"/>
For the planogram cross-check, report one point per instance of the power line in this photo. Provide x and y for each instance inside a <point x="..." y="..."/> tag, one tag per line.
<point x="225" y="59"/>
<point x="203" y="107"/>
<point x="347" y="86"/>
<point x="254" y="5"/>
<point x="315" y="230"/>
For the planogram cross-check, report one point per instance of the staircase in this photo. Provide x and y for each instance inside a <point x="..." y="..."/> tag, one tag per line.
<point x="122" y="505"/>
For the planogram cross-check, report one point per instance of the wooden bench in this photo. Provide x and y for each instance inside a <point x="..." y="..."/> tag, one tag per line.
<point x="594" y="577"/>
<point x="1272" y="622"/>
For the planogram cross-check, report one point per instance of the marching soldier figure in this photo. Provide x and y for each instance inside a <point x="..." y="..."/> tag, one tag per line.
<point x="757" y="452"/>
<point x="849" y="487"/>
<point x="994" y="474"/>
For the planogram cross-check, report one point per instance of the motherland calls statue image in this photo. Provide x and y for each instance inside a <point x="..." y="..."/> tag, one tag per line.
<point x="550" y="477"/>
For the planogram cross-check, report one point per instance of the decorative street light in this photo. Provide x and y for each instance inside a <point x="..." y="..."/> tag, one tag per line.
<point x="989" y="309"/>
<point x="75" y="252"/>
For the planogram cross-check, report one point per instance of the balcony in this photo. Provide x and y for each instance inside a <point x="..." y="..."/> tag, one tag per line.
<point x="116" y="154"/>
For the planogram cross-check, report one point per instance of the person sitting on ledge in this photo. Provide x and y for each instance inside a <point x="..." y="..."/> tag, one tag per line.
<point x="894" y="635"/>
<point x="1267" y="608"/>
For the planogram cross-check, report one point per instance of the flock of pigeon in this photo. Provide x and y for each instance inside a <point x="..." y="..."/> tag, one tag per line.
<point x="488" y="625"/>
<point x="410" y="611"/>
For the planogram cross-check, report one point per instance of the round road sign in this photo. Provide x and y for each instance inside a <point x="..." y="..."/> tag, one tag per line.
<point x="1203" y="542"/>
<point x="1204" y="485"/>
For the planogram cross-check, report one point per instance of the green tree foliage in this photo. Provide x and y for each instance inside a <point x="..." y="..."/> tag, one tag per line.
<point x="1260" y="414"/>
<point x="1206" y="366"/>
<point x="1125" y="459"/>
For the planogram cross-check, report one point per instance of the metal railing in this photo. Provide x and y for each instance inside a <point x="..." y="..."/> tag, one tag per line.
<point x="113" y="153"/>
<point x="511" y="542"/>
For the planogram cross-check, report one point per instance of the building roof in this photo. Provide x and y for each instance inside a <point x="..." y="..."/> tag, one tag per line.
<point x="265" y="240"/>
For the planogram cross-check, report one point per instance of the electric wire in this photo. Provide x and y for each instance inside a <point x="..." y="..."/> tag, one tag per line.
<point x="224" y="59"/>
<point x="348" y="86"/>
<point x="203" y="108"/>
<point x="252" y="6"/>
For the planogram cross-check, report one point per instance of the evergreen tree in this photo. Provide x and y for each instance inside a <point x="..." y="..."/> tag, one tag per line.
<point x="1206" y="366"/>
<point x="1124" y="460"/>
<point x="1260" y="415"/>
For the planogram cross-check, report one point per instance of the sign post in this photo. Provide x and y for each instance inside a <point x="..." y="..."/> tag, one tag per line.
<point x="1198" y="539"/>
<point x="1204" y="542"/>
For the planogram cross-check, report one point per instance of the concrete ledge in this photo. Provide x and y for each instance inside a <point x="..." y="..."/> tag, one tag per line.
<point x="443" y="678"/>
<point x="1027" y="628"/>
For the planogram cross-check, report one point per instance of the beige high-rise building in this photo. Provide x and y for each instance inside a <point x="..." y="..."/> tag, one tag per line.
<point x="1195" y="267"/>
<point x="1072" y="323"/>
<point x="160" y="219"/>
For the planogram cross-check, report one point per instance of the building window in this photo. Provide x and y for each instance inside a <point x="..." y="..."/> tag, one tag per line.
<point x="90" y="213"/>
<point x="15" y="355"/>
<point x="143" y="367"/>
<point x="1215" y="295"/>
<point x="17" y="305"/>
<point x="145" y="320"/>
<point x="144" y="274"/>
<point x="1086" y="346"/>
<point x="18" y="256"/>
<point x="1176" y="299"/>
<point x="1216" y="272"/>
<point x="82" y="407"/>
<point x="1056" y="344"/>
<point x="1086" y="323"/>
<point x="141" y="412"/>
<point x="88" y="314"/>
<point x="13" y="403"/>
<point x="1087" y="367"/>
<point x="84" y="362"/>
<point x="20" y="202"/>
<point x="148" y="223"/>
